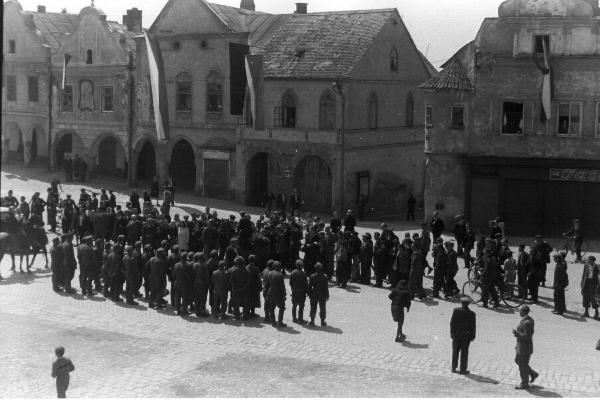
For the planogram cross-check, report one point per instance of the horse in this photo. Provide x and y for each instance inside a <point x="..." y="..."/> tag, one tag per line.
<point x="36" y="238"/>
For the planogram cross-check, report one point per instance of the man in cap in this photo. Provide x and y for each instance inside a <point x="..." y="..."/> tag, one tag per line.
<point x="524" y="348"/>
<point x="561" y="281"/>
<point x="116" y="272"/>
<point x="182" y="287"/>
<point x="87" y="265"/>
<point x="157" y="273"/>
<point x="56" y="265"/>
<point x="489" y="274"/>
<point x="239" y="279"/>
<point x="132" y="275"/>
<point x="462" y="332"/>
<point x="219" y="285"/>
<point x="202" y="283"/>
<point x="299" y="287"/>
<point x="366" y="258"/>
<point x="69" y="264"/>
<point x="318" y="290"/>
<point x="276" y="294"/>
<point x="576" y="233"/>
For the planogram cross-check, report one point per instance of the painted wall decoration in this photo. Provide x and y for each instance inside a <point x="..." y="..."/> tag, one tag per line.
<point x="86" y="95"/>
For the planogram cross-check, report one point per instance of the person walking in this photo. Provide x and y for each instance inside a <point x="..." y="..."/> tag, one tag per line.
<point x="561" y="281"/>
<point x="462" y="332"/>
<point x="61" y="369"/>
<point x="524" y="348"/>
<point x="400" y="296"/>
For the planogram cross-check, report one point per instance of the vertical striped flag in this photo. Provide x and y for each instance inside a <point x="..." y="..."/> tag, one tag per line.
<point x="159" y="87"/>
<point x="66" y="60"/>
<point x="546" y="86"/>
<point x="254" y="77"/>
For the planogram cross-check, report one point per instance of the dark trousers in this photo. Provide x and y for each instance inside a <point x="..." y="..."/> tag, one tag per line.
<point x="85" y="282"/>
<point x="365" y="270"/>
<point x="543" y="269"/>
<point x="487" y="289"/>
<point x="116" y="286"/>
<point x="219" y="305"/>
<point x="200" y="293"/>
<point x="438" y="281"/>
<point x="57" y="278"/>
<point x="131" y="289"/>
<point x="380" y="272"/>
<point x="460" y="346"/>
<point x="62" y="384"/>
<point x="559" y="300"/>
<point x="68" y="274"/>
<point x="299" y="307"/>
<point x="52" y="219"/>
<point x="525" y="370"/>
<point x="533" y="283"/>
<point x="271" y="311"/>
<point x="322" y="308"/>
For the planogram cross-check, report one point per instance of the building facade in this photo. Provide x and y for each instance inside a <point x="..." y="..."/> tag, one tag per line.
<point x="90" y="115"/>
<point x="492" y="149"/>
<point x="334" y="108"/>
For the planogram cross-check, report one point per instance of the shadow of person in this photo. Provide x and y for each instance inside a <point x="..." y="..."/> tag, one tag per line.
<point x="96" y="298"/>
<point x="482" y="379"/>
<point x="573" y="316"/>
<point x="134" y="306"/>
<point x="331" y="329"/>
<point x="351" y="289"/>
<point x="539" y="391"/>
<point x="429" y="301"/>
<point x="504" y="310"/>
<point x="410" y="345"/>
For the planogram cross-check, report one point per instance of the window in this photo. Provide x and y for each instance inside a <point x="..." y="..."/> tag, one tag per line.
<point x="429" y="116"/>
<point x="285" y="115"/>
<point x="107" y="102"/>
<point x="569" y="118"/>
<point x="372" y="111"/>
<point x="11" y="88"/>
<point x="410" y="110"/>
<point x="12" y="46"/>
<point x="88" y="56"/>
<point x="394" y="60"/>
<point x="66" y="104"/>
<point x="458" y="117"/>
<point x="214" y="93"/>
<point x="184" y="92"/>
<point x="33" y="86"/>
<point x="327" y="111"/>
<point x="540" y="40"/>
<point x="598" y="119"/>
<point x="512" y="117"/>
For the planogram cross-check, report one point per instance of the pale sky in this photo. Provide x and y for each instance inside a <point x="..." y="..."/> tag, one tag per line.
<point x="442" y="25"/>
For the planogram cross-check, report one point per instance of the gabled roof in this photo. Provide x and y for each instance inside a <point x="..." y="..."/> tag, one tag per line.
<point x="452" y="77"/>
<point x="53" y="26"/>
<point x="325" y="45"/>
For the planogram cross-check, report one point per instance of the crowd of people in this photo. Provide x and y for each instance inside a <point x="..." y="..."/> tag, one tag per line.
<point x="208" y="259"/>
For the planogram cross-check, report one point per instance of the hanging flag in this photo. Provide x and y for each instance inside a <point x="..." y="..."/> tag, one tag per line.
<point x="159" y="87"/>
<point x="547" y="86"/>
<point x="254" y="77"/>
<point x="66" y="60"/>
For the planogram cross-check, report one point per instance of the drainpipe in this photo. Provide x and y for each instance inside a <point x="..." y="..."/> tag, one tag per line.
<point x="50" y="95"/>
<point x="130" y="169"/>
<point x="337" y="88"/>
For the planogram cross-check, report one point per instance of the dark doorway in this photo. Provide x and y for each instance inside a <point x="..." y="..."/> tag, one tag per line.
<point x="183" y="166"/>
<point x="146" y="165"/>
<point x="216" y="178"/>
<point x="484" y="201"/>
<point x="313" y="181"/>
<point x="257" y="178"/>
<point x="34" y="146"/>
<point x="107" y="155"/>
<point x="64" y="145"/>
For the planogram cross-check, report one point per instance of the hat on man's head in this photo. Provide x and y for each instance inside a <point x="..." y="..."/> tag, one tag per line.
<point x="465" y="299"/>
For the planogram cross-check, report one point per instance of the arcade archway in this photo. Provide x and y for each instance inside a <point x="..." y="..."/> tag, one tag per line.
<point x="146" y="163"/>
<point x="111" y="156"/>
<point x="63" y="146"/>
<point x="182" y="168"/>
<point x="13" y="143"/>
<point x="313" y="180"/>
<point x="264" y="175"/>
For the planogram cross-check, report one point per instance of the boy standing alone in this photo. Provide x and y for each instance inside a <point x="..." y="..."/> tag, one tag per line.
<point x="60" y="370"/>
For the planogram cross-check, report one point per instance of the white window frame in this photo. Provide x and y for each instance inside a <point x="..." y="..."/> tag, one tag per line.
<point x="598" y="119"/>
<point x="102" y="87"/>
<point x="429" y="124"/>
<point x="464" y="116"/>
<point x="569" y="133"/>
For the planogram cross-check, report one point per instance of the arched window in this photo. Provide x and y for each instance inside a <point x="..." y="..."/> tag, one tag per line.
<point x="214" y="92"/>
<point x="327" y="111"/>
<point x="394" y="60"/>
<point x="410" y="109"/>
<point x="372" y="111"/>
<point x="184" y="92"/>
<point x="88" y="56"/>
<point x="287" y="111"/>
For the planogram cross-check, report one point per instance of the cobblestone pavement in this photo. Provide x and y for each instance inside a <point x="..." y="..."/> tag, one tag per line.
<point x="125" y="351"/>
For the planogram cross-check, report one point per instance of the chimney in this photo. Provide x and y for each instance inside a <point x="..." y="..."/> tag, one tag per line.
<point x="41" y="9"/>
<point x="133" y="20"/>
<point x="248" y="5"/>
<point x="301" y="8"/>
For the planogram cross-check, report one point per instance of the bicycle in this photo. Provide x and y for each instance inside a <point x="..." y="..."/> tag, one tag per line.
<point x="569" y="246"/>
<point x="508" y="292"/>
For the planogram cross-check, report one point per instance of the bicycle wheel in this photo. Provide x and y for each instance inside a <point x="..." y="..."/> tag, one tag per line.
<point x="510" y="295"/>
<point x="472" y="289"/>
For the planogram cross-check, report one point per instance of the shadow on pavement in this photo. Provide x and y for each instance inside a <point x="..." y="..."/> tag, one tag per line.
<point x="326" y="328"/>
<point x="25" y="277"/>
<point x="539" y="391"/>
<point x="410" y="345"/>
<point x="573" y="316"/>
<point x="13" y="176"/>
<point x="482" y="379"/>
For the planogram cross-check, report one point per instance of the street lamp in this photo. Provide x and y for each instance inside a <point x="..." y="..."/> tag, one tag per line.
<point x="336" y="87"/>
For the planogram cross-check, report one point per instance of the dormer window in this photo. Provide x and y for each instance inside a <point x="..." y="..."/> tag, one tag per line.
<point x="12" y="46"/>
<point x="394" y="60"/>
<point x="88" y="56"/>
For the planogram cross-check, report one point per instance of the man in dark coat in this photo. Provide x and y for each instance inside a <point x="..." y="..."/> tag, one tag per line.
<point x="255" y="286"/>
<point x="295" y="202"/>
<point x="437" y="226"/>
<point x="523" y="265"/>
<point x="157" y="272"/>
<point x="239" y="279"/>
<point x="219" y="284"/>
<point x="210" y="237"/>
<point x="318" y="290"/>
<point x="462" y="332"/>
<point x="182" y="287"/>
<point x="312" y="253"/>
<point x="489" y="274"/>
<point x="87" y="265"/>
<point x="276" y="294"/>
<point x="172" y="259"/>
<point x="69" y="264"/>
<point x="299" y="288"/>
<point x="134" y="230"/>
<point x="440" y="266"/>
<point x="132" y="275"/>
<point x="524" y="348"/>
<point x="116" y="272"/>
<point x="202" y="283"/>
<point x="56" y="264"/>
<point x="561" y="281"/>
<point x="134" y="199"/>
<point x="244" y="229"/>
<point x="349" y="221"/>
<point x="265" y="286"/>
